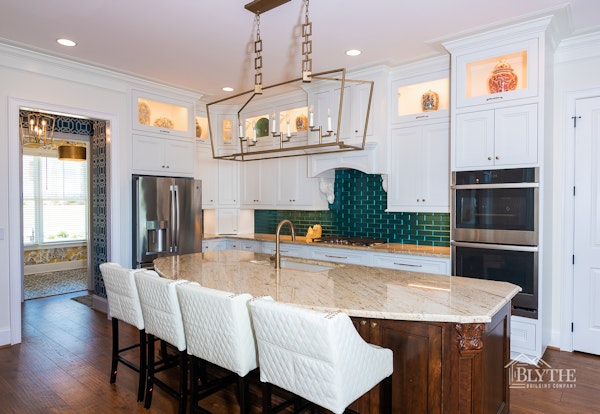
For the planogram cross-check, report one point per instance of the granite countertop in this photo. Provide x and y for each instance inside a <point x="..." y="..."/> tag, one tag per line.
<point x="359" y="291"/>
<point x="408" y="249"/>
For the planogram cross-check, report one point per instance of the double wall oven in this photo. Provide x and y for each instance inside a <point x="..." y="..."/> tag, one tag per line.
<point x="495" y="230"/>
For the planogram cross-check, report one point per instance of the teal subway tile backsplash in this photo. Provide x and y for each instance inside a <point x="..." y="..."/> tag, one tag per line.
<point x="359" y="211"/>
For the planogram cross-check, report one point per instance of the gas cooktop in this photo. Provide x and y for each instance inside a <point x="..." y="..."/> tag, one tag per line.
<point x="350" y="241"/>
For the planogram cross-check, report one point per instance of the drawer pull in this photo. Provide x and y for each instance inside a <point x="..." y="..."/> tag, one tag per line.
<point x="408" y="264"/>
<point x="336" y="257"/>
<point x="494" y="98"/>
<point x="421" y="116"/>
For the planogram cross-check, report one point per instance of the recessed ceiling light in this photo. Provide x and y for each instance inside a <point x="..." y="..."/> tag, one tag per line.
<point x="66" y="42"/>
<point x="228" y="89"/>
<point x="353" y="52"/>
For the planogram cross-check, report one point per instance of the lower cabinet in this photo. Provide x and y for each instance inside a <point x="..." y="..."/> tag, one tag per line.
<point x="358" y="257"/>
<point x="440" y="266"/>
<point x="442" y="367"/>
<point x="210" y="245"/>
<point x="247" y="245"/>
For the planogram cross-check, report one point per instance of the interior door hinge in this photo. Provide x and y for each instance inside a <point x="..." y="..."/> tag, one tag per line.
<point x="575" y="118"/>
<point x="573" y="259"/>
<point x="573" y="191"/>
<point x="572" y="327"/>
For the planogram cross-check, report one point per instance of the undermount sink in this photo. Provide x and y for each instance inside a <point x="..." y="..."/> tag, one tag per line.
<point x="292" y="264"/>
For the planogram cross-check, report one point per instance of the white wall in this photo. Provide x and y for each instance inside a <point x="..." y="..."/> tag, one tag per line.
<point x="576" y="74"/>
<point x="46" y="83"/>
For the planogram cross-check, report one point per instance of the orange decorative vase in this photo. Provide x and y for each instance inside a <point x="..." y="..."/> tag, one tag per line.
<point x="503" y="78"/>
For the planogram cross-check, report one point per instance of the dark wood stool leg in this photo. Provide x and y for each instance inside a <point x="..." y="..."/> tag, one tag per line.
<point x="183" y="381"/>
<point x="243" y="395"/>
<point x="143" y="365"/>
<point x="150" y="369"/>
<point x="115" y="350"/>
<point x="266" y="397"/>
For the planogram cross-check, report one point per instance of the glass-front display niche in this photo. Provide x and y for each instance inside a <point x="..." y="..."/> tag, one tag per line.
<point x="162" y="115"/>
<point x="201" y="128"/>
<point x="424" y="97"/>
<point x="288" y="122"/>
<point x="497" y="74"/>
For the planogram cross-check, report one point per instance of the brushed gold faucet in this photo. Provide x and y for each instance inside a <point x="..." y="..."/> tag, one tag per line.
<point x="277" y="241"/>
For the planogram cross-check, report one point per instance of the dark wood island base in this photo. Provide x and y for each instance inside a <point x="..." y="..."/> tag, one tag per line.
<point x="443" y="367"/>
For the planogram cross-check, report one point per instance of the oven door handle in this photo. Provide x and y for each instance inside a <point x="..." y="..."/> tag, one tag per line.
<point x="494" y="186"/>
<point x="495" y="246"/>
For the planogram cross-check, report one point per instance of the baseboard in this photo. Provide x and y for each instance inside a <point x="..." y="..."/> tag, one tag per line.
<point x="54" y="267"/>
<point x="5" y="337"/>
<point x="100" y="304"/>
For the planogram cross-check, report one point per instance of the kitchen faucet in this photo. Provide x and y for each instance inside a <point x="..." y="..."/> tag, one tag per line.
<point x="277" y="241"/>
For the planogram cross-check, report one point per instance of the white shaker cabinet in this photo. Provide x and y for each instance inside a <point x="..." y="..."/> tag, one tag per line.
<point x="160" y="156"/>
<point x="207" y="171"/>
<point x="496" y="137"/>
<point x="419" y="178"/>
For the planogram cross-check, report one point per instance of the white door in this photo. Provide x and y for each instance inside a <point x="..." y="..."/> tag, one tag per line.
<point x="586" y="289"/>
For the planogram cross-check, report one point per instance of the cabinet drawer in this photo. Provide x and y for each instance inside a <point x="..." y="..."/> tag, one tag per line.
<point x="522" y="336"/>
<point x="247" y="245"/>
<point x="413" y="264"/>
<point x="342" y="256"/>
<point x="286" y="249"/>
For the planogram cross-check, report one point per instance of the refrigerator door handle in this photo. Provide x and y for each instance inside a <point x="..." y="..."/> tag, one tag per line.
<point x="174" y="190"/>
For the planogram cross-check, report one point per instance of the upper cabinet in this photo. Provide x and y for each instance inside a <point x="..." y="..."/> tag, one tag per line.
<point x="420" y="92"/>
<point x="201" y="128"/>
<point x="497" y="74"/>
<point x="162" y="115"/>
<point x="498" y="101"/>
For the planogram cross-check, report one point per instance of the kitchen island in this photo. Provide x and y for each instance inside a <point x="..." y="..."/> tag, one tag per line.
<point x="450" y="335"/>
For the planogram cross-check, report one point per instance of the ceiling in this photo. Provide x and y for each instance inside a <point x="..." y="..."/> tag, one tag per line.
<point x="202" y="45"/>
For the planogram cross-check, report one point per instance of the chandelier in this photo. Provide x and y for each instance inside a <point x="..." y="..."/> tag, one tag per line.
<point x="284" y="119"/>
<point x="37" y="130"/>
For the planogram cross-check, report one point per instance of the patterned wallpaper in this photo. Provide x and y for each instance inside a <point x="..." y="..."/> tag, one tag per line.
<point x="359" y="211"/>
<point x="53" y="255"/>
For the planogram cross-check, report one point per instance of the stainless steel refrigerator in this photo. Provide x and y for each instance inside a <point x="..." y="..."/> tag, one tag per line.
<point x="167" y="218"/>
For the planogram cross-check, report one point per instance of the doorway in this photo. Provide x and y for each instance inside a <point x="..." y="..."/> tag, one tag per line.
<point x="55" y="203"/>
<point x="586" y="241"/>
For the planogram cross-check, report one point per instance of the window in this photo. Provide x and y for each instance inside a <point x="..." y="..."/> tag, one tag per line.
<point x="55" y="200"/>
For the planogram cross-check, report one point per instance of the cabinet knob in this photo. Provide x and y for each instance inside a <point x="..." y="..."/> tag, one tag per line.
<point x="418" y="200"/>
<point x="423" y="200"/>
<point x="489" y="158"/>
<point x="497" y="157"/>
<point x="363" y="322"/>
<point x="373" y="324"/>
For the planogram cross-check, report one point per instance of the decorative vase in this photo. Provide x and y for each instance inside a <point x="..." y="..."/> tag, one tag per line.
<point x="430" y="101"/>
<point x="503" y="78"/>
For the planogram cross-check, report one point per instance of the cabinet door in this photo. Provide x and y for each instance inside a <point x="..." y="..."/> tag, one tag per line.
<point x="162" y="156"/>
<point x="474" y="141"/>
<point x="435" y="155"/>
<point x="406" y="178"/>
<point x="228" y="183"/>
<point x="250" y="178"/>
<point x="516" y="140"/>
<point x="359" y="105"/>
<point x="147" y="154"/>
<point x="179" y="157"/>
<point x="420" y="173"/>
<point x="295" y="189"/>
<point x="227" y="220"/>
<point x="207" y="170"/>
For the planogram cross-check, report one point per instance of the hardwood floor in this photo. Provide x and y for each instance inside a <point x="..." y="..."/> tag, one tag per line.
<point x="62" y="366"/>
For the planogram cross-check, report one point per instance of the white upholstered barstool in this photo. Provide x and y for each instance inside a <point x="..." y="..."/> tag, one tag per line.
<point x="162" y="318"/>
<point x="315" y="355"/>
<point x="218" y="329"/>
<point x="124" y="305"/>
